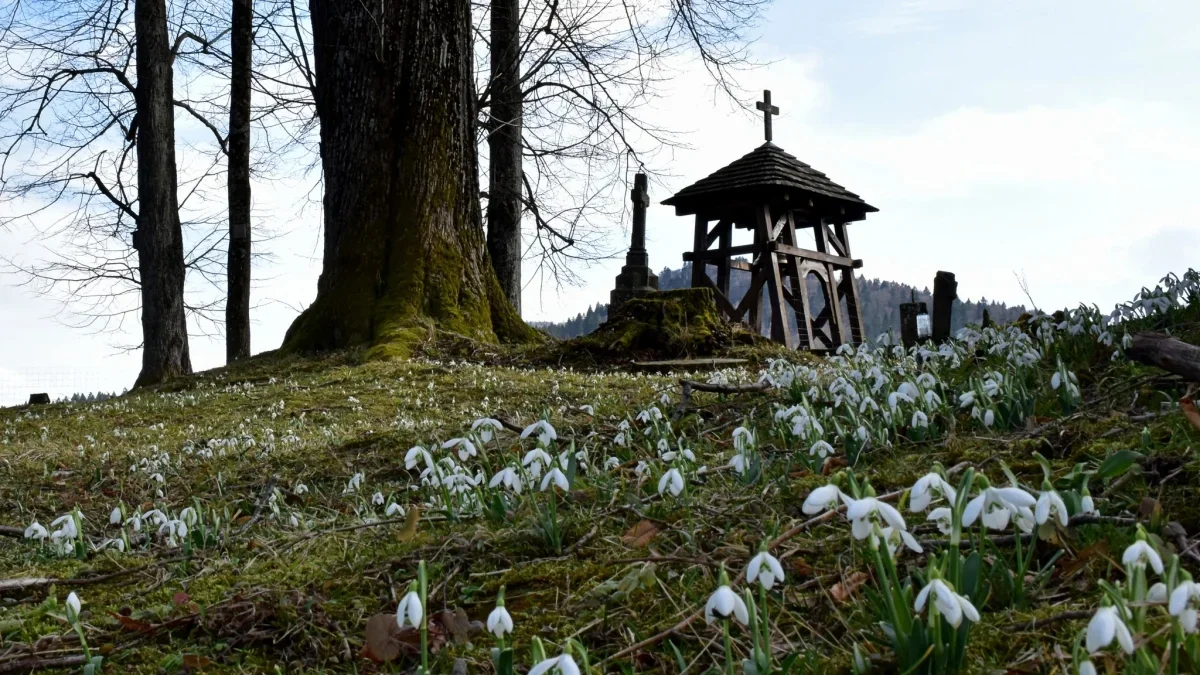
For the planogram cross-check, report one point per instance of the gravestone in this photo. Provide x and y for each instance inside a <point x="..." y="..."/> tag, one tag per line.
<point x="945" y="292"/>
<point x="911" y="331"/>
<point x="635" y="278"/>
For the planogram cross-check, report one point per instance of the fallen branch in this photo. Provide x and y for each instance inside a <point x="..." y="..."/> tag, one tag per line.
<point x="26" y="583"/>
<point x="1064" y="616"/>
<point x="1186" y="548"/>
<point x="685" y="398"/>
<point x="41" y="663"/>
<point x="1170" y="354"/>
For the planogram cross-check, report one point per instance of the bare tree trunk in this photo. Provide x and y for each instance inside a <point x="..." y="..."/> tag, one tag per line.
<point x="1171" y="354"/>
<point x="403" y="239"/>
<point x="159" y="237"/>
<point x="237" y="304"/>
<point x="504" y="149"/>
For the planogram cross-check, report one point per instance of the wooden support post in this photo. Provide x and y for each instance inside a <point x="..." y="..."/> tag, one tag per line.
<point x="724" y="265"/>
<point x="799" y="289"/>
<point x="755" y="312"/>
<point x="781" y="329"/>
<point x="833" y="302"/>
<point x="945" y="291"/>
<point x="700" y="245"/>
<point x="853" y="304"/>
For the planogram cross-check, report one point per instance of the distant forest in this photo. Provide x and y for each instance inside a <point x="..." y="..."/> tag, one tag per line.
<point x="880" y="305"/>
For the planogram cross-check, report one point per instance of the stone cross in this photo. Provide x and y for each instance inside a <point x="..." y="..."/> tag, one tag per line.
<point x="767" y="110"/>
<point x="641" y="199"/>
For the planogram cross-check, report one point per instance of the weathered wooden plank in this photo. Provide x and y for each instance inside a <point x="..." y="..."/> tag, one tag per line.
<point x="700" y="243"/>
<point x="781" y="329"/>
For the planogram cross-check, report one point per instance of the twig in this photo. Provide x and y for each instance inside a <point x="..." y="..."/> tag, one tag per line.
<point x="262" y="500"/>
<point x="1186" y="548"/>
<point x="1036" y="623"/>
<point x="40" y="582"/>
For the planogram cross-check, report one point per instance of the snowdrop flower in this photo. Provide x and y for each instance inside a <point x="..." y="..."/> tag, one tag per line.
<point x="671" y="481"/>
<point x="893" y="538"/>
<point x="943" y="516"/>
<point x="1087" y="668"/>
<point x="410" y="611"/>
<point x="466" y="448"/>
<point x="859" y="510"/>
<point x="612" y="463"/>
<point x="68" y="529"/>
<point x="115" y="517"/>
<point x="1087" y="504"/>
<point x="377" y="499"/>
<point x="1056" y="380"/>
<point x="300" y="489"/>
<point x="74" y="607"/>
<point x="949" y="604"/>
<point x="989" y="418"/>
<point x="393" y="509"/>
<point x="821" y="449"/>
<point x="1049" y="502"/>
<point x="1185" y="604"/>
<point x="1104" y="626"/>
<point x="545" y="432"/>
<point x="588" y="409"/>
<point x="765" y="569"/>
<point x="535" y="459"/>
<point x="621" y="440"/>
<point x="992" y="500"/>
<point x="36" y="531"/>
<point x="1157" y="593"/>
<point x="487" y="427"/>
<point x="822" y="498"/>
<point x="743" y="439"/>
<point x="1139" y="553"/>
<point x="920" y="419"/>
<point x="926" y="488"/>
<point x="725" y="603"/>
<point x="564" y="664"/>
<point x="557" y="477"/>
<point x="173" y="529"/>
<point x="966" y="399"/>
<point x="739" y="462"/>
<point x="499" y="622"/>
<point x="355" y="482"/>
<point x="509" y="478"/>
<point x="189" y="515"/>
<point x="896" y="397"/>
<point x="651" y="413"/>
<point x="663" y="446"/>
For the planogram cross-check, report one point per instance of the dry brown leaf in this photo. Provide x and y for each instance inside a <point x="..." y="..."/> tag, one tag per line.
<point x="640" y="535"/>
<point x="412" y="519"/>
<point x="381" y="645"/>
<point x="1082" y="558"/>
<point x="832" y="464"/>
<point x="194" y="661"/>
<point x="130" y="623"/>
<point x="844" y="590"/>
<point x="1188" y="407"/>
<point x="799" y="567"/>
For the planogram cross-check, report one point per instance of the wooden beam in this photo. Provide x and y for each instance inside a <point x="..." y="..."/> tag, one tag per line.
<point x="751" y="297"/>
<point x="781" y="329"/>
<point x="717" y="231"/>
<point x="858" y="331"/>
<point x="753" y="249"/>
<point x="725" y="263"/>
<point x="836" y="260"/>
<point x="700" y="242"/>
<point x="799" y="288"/>
<point x="741" y="265"/>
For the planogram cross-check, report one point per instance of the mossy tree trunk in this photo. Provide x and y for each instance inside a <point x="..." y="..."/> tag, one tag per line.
<point x="404" y="245"/>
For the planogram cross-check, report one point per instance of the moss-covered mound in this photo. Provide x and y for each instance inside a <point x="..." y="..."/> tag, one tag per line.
<point x="670" y="324"/>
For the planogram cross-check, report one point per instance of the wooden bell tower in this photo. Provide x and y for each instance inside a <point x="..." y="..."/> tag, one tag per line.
<point x="776" y="197"/>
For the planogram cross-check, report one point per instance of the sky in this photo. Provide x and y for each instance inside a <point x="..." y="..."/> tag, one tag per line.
<point x="1057" y="141"/>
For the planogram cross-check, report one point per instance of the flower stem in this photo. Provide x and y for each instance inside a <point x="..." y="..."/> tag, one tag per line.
<point x="423" y="583"/>
<point x="728" y="650"/>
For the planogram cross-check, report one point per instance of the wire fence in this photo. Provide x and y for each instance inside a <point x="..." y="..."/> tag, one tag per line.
<point x="17" y="384"/>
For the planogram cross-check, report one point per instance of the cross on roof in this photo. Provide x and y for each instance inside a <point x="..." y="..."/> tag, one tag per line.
<point x="767" y="110"/>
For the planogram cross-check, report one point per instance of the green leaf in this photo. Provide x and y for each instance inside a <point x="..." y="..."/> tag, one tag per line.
<point x="678" y="656"/>
<point x="1118" y="463"/>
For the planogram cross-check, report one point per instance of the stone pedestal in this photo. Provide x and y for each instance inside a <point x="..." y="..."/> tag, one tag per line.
<point x="635" y="279"/>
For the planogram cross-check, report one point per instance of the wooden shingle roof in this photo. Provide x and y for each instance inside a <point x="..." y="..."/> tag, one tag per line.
<point x="767" y="169"/>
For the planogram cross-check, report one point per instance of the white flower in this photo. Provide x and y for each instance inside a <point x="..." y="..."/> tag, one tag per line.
<point x="189" y="516"/>
<point x="989" y="418"/>
<point x="942" y="516"/>
<point x="1139" y="553"/>
<point x="926" y="488"/>
<point x="556" y="476"/>
<point x="724" y="602"/>
<point x="966" y="399"/>
<point x="1104" y="626"/>
<point x="535" y="459"/>
<point x="465" y="447"/>
<point x="821" y="449"/>
<point x="1088" y="505"/>
<point x="544" y="431"/>
<point x="672" y="481"/>
<point x="1185" y="604"/>
<point x="499" y="622"/>
<point x="377" y="499"/>
<point x="620" y="439"/>
<point x="1157" y="593"/>
<point x="74" y="606"/>
<point x="489" y="426"/>
<point x="612" y="463"/>
<point x="509" y="478"/>
<point x="860" y="509"/>
<point x="920" y="419"/>
<point x="995" y="505"/>
<point x="1087" y="668"/>
<point x="950" y="604"/>
<point x="355" y="482"/>
<point x="393" y="509"/>
<point x="894" y="538"/>
<point x="651" y="413"/>
<point x="410" y="611"/>
<point x="588" y="409"/>
<point x="300" y="489"/>
<point x="563" y="663"/>
<point x="1056" y="380"/>
<point x="114" y="518"/>
<point x="765" y="569"/>
<point x="822" y="498"/>
<point x="739" y="462"/>
<point x="1049" y="502"/>
<point x="743" y="439"/>
<point x="36" y="531"/>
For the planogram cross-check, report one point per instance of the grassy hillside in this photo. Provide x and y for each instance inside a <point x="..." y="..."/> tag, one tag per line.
<point x="268" y="511"/>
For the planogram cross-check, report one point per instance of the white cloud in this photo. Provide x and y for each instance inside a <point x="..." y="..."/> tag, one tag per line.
<point x="905" y="16"/>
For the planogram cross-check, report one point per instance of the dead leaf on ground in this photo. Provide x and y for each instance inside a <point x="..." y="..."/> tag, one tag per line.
<point x="640" y="535"/>
<point x="1188" y="407"/>
<point x="130" y="623"/>
<point x="381" y="645"/>
<point x="1082" y="558"/>
<point x="843" y="591"/>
